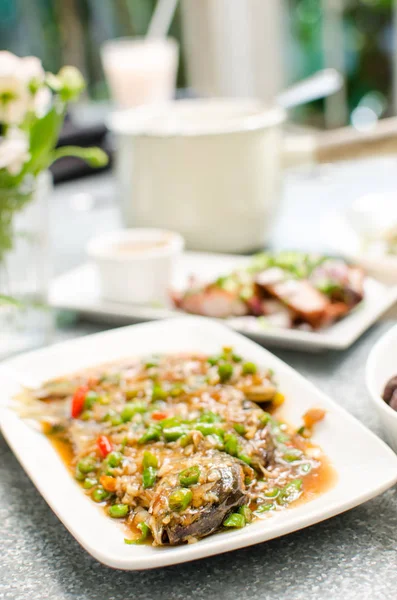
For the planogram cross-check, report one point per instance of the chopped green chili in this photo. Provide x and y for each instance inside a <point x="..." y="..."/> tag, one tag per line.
<point x="145" y="529"/>
<point x="117" y="511"/>
<point x="114" y="459"/>
<point x="87" y="464"/>
<point x="152" y="433"/>
<point x="189" y="476"/>
<point x="249" y="368"/>
<point x="149" y="476"/>
<point x="149" y="460"/>
<point x="234" y="520"/>
<point x="246" y="512"/>
<point x="100" y="494"/>
<point x="180" y="499"/>
<point x="225" y="371"/>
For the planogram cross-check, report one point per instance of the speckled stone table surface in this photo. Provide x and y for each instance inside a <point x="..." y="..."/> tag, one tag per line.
<point x="351" y="556"/>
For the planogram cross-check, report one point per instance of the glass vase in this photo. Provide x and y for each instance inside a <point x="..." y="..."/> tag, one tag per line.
<point x="25" y="320"/>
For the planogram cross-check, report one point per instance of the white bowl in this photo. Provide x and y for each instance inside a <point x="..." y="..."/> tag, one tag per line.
<point x="135" y="265"/>
<point x="381" y="366"/>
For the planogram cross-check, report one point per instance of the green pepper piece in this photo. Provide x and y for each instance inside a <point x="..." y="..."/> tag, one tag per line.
<point x="292" y="454"/>
<point x="131" y="409"/>
<point x="169" y="422"/>
<point x="149" y="460"/>
<point x="208" y="428"/>
<point x="114" y="459"/>
<point x="176" y="390"/>
<point x="272" y="493"/>
<point x="234" y="520"/>
<point x="231" y="444"/>
<point x="189" y="476"/>
<point x="290" y="492"/>
<point x="86" y="464"/>
<point x="90" y="399"/>
<point x="246" y="512"/>
<point x="118" y="511"/>
<point x="209" y="417"/>
<point x="145" y="529"/>
<point x="173" y="433"/>
<point x="249" y="368"/>
<point x="99" y="494"/>
<point x="244" y="457"/>
<point x="149" y="476"/>
<point x="158" y="393"/>
<point x="185" y="440"/>
<point x="225" y="371"/>
<point x="180" y="499"/>
<point x="152" y="433"/>
<point x="89" y="482"/>
<point x="213" y="360"/>
<point x="79" y="475"/>
<point x="239" y="428"/>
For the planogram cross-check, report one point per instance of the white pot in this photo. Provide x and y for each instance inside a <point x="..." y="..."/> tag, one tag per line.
<point x="211" y="169"/>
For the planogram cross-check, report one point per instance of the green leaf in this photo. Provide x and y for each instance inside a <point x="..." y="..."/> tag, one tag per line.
<point x="95" y="157"/>
<point x="43" y="138"/>
<point x="9" y="300"/>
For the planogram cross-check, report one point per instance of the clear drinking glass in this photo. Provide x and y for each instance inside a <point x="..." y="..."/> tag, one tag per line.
<point x="140" y="70"/>
<point x="25" y="319"/>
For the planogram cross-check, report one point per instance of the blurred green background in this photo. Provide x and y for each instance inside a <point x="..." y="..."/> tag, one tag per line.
<point x="71" y="31"/>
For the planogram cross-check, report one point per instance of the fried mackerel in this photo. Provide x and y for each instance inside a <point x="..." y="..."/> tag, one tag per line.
<point x="178" y="446"/>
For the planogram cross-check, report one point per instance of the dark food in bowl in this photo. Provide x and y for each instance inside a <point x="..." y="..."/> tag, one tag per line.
<point x="285" y="289"/>
<point x="390" y="393"/>
<point x="176" y="446"/>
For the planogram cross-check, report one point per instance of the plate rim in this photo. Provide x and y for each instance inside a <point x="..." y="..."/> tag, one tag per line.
<point x="290" y="338"/>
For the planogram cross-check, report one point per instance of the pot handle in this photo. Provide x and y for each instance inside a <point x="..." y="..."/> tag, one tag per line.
<point x="345" y="143"/>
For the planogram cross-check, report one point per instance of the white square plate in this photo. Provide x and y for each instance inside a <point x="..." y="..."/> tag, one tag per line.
<point x="79" y="290"/>
<point x="365" y="466"/>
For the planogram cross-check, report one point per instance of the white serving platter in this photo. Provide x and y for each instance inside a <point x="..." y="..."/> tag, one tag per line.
<point x="365" y="466"/>
<point x="78" y="290"/>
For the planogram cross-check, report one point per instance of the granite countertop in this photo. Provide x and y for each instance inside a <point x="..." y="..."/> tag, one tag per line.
<point x="350" y="556"/>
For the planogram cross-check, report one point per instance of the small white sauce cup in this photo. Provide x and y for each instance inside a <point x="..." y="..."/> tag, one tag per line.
<point x="139" y="276"/>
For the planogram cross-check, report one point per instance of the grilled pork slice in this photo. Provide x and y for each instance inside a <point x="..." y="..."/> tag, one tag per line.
<point x="212" y="301"/>
<point x="221" y="489"/>
<point x="302" y="299"/>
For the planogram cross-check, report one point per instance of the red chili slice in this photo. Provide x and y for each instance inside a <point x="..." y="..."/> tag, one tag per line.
<point x="104" y="445"/>
<point x="78" y="401"/>
<point x="159" y="416"/>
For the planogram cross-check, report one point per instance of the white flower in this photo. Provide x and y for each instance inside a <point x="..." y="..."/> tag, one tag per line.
<point x="14" y="93"/>
<point x="30" y="67"/>
<point x="22" y="88"/>
<point x="14" y="151"/>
